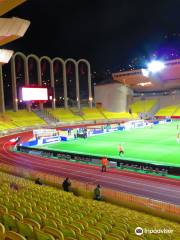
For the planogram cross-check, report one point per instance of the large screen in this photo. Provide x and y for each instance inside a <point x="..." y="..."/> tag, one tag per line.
<point x="34" y="94"/>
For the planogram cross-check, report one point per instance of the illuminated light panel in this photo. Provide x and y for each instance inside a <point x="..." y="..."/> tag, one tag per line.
<point x="144" y="84"/>
<point x="145" y="72"/>
<point x="155" y="66"/>
<point x="34" y="94"/>
<point x="5" y="55"/>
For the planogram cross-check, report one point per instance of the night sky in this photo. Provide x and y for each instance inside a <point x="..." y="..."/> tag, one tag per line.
<point x="109" y="33"/>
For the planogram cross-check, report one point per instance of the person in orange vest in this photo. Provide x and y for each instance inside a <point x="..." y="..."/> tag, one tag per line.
<point x="120" y="149"/>
<point x="104" y="163"/>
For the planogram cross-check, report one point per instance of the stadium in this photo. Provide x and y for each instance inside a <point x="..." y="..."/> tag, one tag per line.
<point x="52" y="128"/>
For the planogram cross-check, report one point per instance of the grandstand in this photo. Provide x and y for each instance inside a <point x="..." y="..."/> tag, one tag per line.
<point x="168" y="111"/>
<point x="42" y="212"/>
<point x="142" y="106"/>
<point x="177" y="112"/>
<point x="23" y="118"/>
<point x="92" y="114"/>
<point x="119" y="115"/>
<point x="12" y="120"/>
<point x="64" y="115"/>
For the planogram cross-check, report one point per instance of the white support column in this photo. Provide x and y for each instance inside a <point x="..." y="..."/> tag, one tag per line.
<point x="52" y="86"/>
<point x="89" y="85"/>
<point x="77" y="86"/>
<point x="39" y="78"/>
<point x="65" y="86"/>
<point x="14" y="87"/>
<point x="90" y="99"/>
<point x="2" y="105"/>
<point x="26" y="76"/>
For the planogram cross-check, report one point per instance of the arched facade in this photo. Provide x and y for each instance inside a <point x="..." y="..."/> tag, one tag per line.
<point x="64" y="80"/>
<point x="51" y="75"/>
<point x="52" y="81"/>
<point x="71" y="60"/>
<point x="89" y="79"/>
<point x="13" y="77"/>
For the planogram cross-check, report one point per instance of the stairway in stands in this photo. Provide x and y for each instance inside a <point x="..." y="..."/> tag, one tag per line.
<point x="46" y="116"/>
<point x="77" y="112"/>
<point x="101" y="112"/>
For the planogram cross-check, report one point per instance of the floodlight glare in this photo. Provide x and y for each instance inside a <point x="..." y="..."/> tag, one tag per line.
<point x="145" y="72"/>
<point x="5" y="55"/>
<point x="156" y="66"/>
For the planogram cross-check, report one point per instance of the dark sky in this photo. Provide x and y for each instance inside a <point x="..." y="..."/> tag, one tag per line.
<point x="109" y="33"/>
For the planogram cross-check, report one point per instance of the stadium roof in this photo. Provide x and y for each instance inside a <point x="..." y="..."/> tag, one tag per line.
<point x="7" y="5"/>
<point x="168" y="78"/>
<point x="12" y="29"/>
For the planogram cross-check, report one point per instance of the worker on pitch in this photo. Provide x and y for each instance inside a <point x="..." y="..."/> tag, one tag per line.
<point x="120" y="149"/>
<point x="104" y="163"/>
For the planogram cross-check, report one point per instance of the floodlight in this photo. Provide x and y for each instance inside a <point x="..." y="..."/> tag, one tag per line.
<point x="5" y="55"/>
<point x="156" y="66"/>
<point x="145" y="72"/>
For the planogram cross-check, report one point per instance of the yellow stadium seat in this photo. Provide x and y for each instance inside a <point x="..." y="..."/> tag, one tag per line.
<point x="26" y="230"/>
<point x="67" y="232"/>
<point x="16" y="214"/>
<point x="32" y="222"/>
<point x="23" y="211"/>
<point x="57" y="234"/>
<point x="36" y="217"/>
<point x="79" y="225"/>
<point x="2" y="231"/>
<point x="3" y="210"/>
<point x="40" y="235"/>
<point x="49" y="223"/>
<point x="9" y="222"/>
<point x="13" y="236"/>
<point x="92" y="236"/>
<point x="74" y="228"/>
<point x="115" y="236"/>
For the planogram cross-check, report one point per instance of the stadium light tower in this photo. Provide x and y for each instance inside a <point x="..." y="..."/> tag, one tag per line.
<point x="155" y="66"/>
<point x="5" y="56"/>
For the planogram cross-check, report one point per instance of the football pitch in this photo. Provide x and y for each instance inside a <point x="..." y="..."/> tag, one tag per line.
<point x="157" y="145"/>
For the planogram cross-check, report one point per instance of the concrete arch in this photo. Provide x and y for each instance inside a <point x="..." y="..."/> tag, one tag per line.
<point x="76" y="79"/>
<point x="36" y="58"/>
<point x="49" y="60"/>
<point x="13" y="77"/>
<point x="89" y="79"/>
<point x="64" y="78"/>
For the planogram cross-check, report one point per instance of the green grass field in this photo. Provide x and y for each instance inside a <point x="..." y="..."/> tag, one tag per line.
<point x="156" y="145"/>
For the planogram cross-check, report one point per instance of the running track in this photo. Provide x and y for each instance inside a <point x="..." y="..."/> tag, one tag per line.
<point x="159" y="188"/>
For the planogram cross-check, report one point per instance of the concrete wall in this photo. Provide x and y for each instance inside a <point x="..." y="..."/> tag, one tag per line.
<point x="114" y="97"/>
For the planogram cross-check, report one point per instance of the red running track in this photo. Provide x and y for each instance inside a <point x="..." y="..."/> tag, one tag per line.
<point x="159" y="188"/>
